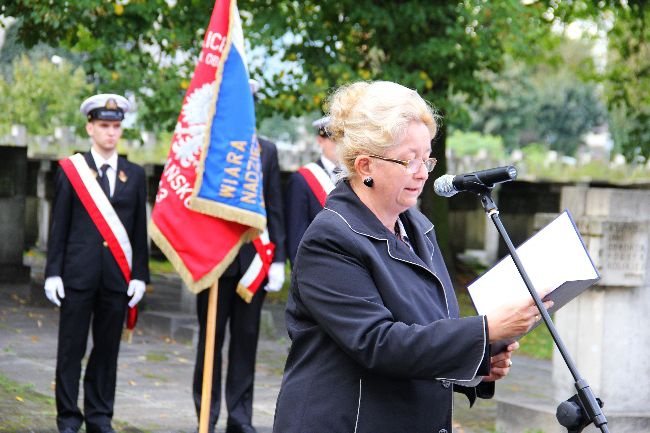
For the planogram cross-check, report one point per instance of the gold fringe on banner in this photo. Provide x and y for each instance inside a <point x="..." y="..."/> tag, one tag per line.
<point x="208" y="279"/>
<point x="245" y="294"/>
<point x="230" y="213"/>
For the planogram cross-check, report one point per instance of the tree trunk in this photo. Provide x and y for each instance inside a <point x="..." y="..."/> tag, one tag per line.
<point x="437" y="208"/>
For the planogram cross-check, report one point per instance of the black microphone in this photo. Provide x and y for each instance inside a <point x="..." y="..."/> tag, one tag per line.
<point x="477" y="182"/>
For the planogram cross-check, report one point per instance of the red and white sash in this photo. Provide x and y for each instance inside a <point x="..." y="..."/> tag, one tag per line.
<point x="318" y="180"/>
<point x="100" y="210"/>
<point x="259" y="267"/>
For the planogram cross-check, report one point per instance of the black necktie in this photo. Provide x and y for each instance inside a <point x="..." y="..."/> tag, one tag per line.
<point x="103" y="180"/>
<point x="336" y="173"/>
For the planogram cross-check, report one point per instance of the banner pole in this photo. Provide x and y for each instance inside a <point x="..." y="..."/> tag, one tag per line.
<point x="208" y="359"/>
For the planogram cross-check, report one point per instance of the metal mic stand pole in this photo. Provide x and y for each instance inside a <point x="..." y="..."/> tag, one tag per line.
<point x="583" y="408"/>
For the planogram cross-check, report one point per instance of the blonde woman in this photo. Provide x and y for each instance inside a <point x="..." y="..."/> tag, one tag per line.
<point x="377" y="342"/>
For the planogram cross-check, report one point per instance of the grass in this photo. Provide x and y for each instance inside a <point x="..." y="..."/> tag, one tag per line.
<point x="22" y="407"/>
<point x="538" y="344"/>
<point x="156" y="357"/>
<point x="161" y="267"/>
<point x="281" y="295"/>
<point x="23" y="410"/>
<point x="152" y="376"/>
<point x="595" y="170"/>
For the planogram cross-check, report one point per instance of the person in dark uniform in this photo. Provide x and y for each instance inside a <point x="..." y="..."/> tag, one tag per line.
<point x="377" y="344"/>
<point x="84" y="276"/>
<point x="303" y="190"/>
<point x="243" y="317"/>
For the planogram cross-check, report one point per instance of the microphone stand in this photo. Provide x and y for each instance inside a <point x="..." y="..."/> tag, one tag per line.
<point x="583" y="408"/>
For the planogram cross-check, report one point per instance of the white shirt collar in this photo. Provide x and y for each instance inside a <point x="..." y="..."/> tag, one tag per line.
<point x="99" y="160"/>
<point x="329" y="165"/>
<point x="402" y="230"/>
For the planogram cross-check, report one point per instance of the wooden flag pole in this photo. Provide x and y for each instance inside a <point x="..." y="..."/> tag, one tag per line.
<point x="208" y="359"/>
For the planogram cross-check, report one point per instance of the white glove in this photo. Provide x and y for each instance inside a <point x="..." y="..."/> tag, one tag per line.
<point x="276" y="277"/>
<point x="136" y="292"/>
<point x="54" y="287"/>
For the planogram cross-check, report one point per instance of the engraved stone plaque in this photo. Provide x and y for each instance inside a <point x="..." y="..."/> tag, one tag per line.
<point x="624" y="253"/>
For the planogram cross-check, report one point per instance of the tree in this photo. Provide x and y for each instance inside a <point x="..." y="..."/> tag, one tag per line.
<point x="437" y="48"/>
<point x="434" y="47"/>
<point x="546" y="102"/>
<point x="627" y="73"/>
<point x="628" y="84"/>
<point x="144" y="47"/>
<point x="42" y="95"/>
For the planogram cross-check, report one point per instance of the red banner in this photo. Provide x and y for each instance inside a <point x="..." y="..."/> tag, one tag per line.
<point x="198" y="245"/>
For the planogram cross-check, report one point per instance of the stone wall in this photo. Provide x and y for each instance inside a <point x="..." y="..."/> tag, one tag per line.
<point x="13" y="181"/>
<point x="605" y="329"/>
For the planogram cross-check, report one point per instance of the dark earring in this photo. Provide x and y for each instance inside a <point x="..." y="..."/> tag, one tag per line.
<point x="368" y="182"/>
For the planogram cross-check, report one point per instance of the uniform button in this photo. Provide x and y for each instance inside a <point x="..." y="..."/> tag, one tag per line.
<point x="442" y="430"/>
<point x="446" y="384"/>
<point x="105" y="243"/>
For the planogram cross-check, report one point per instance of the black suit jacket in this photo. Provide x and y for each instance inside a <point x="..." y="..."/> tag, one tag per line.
<point x="274" y="213"/>
<point x="375" y="328"/>
<point x="76" y="250"/>
<point x="300" y="208"/>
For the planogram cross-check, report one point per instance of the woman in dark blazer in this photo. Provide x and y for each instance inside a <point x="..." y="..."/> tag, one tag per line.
<point x="377" y="342"/>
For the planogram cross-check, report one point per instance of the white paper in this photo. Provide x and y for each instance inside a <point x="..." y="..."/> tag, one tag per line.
<point x="551" y="257"/>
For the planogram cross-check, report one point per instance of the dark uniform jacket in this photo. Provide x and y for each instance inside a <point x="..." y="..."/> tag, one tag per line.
<point x="300" y="207"/>
<point x="274" y="213"/>
<point x="375" y="331"/>
<point x="76" y="250"/>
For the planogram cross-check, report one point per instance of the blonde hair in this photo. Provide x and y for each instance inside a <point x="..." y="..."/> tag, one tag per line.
<point x="371" y="117"/>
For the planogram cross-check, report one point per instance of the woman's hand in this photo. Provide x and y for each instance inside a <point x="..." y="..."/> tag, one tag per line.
<point x="500" y="364"/>
<point x="514" y="319"/>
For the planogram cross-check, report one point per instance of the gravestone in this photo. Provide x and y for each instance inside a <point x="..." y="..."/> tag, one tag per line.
<point x="606" y="329"/>
<point x="31" y="204"/>
<point x="13" y="171"/>
<point x="519" y="202"/>
<point x="19" y="135"/>
<point x="153" y="173"/>
<point x="45" y="195"/>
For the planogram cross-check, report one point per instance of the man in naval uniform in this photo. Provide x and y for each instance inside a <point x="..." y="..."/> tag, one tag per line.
<point x="242" y="316"/>
<point x="307" y="188"/>
<point x="97" y="264"/>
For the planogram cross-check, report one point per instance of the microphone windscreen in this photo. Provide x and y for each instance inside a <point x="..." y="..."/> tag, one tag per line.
<point x="444" y="187"/>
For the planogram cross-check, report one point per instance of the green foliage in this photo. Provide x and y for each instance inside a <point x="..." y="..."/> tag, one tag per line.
<point x="627" y="73"/>
<point x="436" y="48"/>
<point x="546" y="102"/>
<point x="143" y="47"/>
<point x="306" y="48"/>
<point x="628" y="84"/>
<point x="42" y="95"/>
<point x="535" y="154"/>
<point x="473" y="143"/>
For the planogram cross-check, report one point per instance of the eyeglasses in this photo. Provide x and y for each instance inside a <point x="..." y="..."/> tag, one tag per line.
<point x="412" y="165"/>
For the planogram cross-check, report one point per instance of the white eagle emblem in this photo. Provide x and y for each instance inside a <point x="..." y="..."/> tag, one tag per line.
<point x="189" y="134"/>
